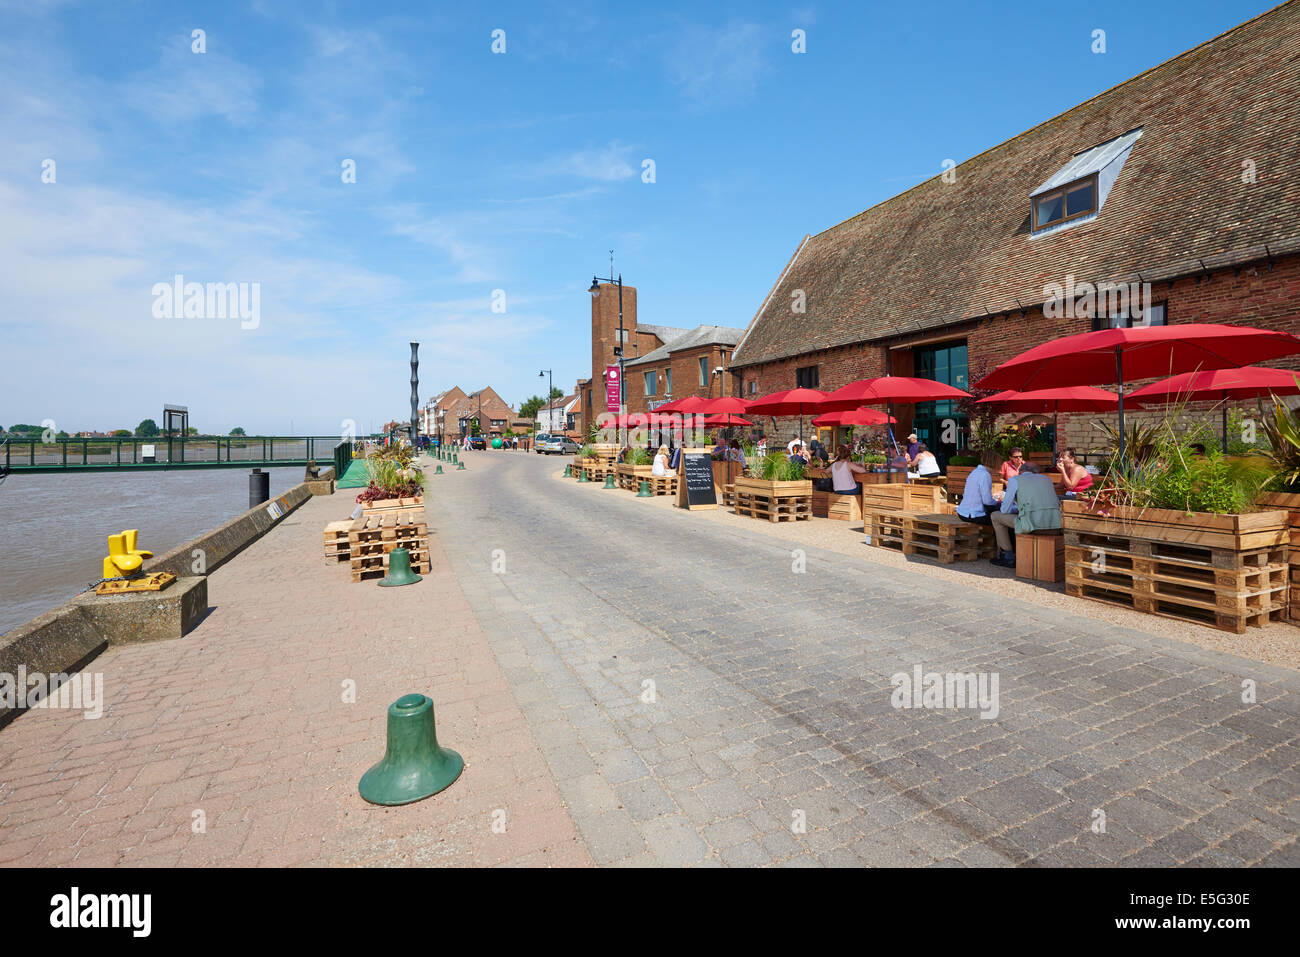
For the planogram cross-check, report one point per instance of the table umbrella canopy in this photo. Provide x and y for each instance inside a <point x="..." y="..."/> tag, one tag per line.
<point x="725" y="421"/>
<point x="727" y="405"/>
<point x="1250" y="382"/>
<point x="853" y="417"/>
<point x="1143" y="352"/>
<point x="890" y="388"/>
<point x="788" y="402"/>
<point x="1079" y="398"/>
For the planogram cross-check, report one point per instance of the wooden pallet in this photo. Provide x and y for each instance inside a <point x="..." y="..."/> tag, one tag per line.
<point x="1225" y="589"/>
<point x="337" y="546"/>
<point x="729" y="496"/>
<point x="392" y="504"/>
<point x="885" y="528"/>
<point x="372" y="537"/>
<point x="779" y="508"/>
<point x="839" y="508"/>
<point x="900" y="497"/>
<point x="663" y="484"/>
<point x="946" y="538"/>
<point x="630" y="476"/>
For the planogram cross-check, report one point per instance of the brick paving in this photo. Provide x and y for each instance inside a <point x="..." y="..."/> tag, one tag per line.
<point x="244" y="720"/>
<point x="772" y="693"/>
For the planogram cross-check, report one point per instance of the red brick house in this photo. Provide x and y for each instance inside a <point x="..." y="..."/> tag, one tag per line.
<point x="1184" y="180"/>
<point x="457" y="410"/>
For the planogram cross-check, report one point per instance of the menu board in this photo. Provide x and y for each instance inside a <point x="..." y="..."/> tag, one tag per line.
<point x="697" y="470"/>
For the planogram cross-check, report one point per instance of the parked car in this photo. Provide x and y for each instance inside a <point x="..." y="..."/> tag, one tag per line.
<point x="478" y="442"/>
<point x="540" y="441"/>
<point x="569" y="447"/>
<point x="549" y="443"/>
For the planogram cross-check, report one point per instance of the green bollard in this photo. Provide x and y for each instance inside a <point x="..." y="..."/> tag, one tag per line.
<point x="413" y="766"/>
<point x="439" y="469"/>
<point x="644" y="490"/>
<point x="582" y="476"/>
<point x="568" y="471"/>
<point x="460" y="466"/>
<point x="609" y="480"/>
<point x="399" y="569"/>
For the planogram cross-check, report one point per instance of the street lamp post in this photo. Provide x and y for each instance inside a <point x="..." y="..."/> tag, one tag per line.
<point x="550" y="391"/>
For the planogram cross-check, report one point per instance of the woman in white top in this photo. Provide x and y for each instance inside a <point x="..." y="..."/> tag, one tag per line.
<point x="844" y="472"/>
<point x="661" y="462"/>
<point x="925" y="462"/>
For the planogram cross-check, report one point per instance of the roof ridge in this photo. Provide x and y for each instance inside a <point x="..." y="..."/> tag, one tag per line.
<point x="1052" y="119"/>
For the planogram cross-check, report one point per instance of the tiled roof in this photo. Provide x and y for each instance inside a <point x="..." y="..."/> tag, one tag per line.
<point x="945" y="252"/>
<point x="664" y="333"/>
<point x="699" y="336"/>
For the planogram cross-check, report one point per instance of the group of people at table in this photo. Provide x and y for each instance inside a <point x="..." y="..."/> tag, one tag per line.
<point x="1028" y="503"/>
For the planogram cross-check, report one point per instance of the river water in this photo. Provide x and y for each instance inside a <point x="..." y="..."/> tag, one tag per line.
<point x="54" y="527"/>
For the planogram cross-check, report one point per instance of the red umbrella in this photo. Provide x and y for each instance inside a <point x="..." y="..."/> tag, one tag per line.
<point x="788" y="402"/>
<point x="1142" y="352"/>
<point x="1079" y="398"/>
<point x="725" y="421"/>
<point x="853" y="417"/>
<point x="890" y="388"/>
<point x="1250" y="382"/>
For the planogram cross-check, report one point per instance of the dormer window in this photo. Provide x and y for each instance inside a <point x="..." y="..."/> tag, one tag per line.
<point x="1069" y="202"/>
<point x="1078" y="190"/>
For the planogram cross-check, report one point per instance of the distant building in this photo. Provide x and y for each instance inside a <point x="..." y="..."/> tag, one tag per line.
<point x="453" y="412"/>
<point x="558" y="415"/>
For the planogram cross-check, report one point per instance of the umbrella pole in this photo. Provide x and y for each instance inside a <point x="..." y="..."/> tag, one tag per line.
<point x="1119" y="376"/>
<point x="1225" y="421"/>
<point x="1056" y="415"/>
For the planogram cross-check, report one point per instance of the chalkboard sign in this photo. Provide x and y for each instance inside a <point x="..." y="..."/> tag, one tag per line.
<point x="697" y="468"/>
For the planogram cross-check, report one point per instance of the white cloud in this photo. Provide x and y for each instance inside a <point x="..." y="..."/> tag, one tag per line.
<point x="606" y="163"/>
<point x="717" y="66"/>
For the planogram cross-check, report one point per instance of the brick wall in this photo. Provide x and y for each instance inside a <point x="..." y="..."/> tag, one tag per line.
<point x="685" y="367"/>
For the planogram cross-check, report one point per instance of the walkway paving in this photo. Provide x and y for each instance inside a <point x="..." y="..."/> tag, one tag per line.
<point x="634" y="685"/>
<point x="772" y="709"/>
<point x="242" y="726"/>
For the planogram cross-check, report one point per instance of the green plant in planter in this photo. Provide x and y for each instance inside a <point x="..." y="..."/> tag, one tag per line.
<point x="638" y="456"/>
<point x="776" y="467"/>
<point x="964" y="461"/>
<point x="1282" y="430"/>
<point x="1175" y="476"/>
<point x="588" y="451"/>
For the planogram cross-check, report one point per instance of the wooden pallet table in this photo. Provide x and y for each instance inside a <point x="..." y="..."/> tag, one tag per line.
<point x="946" y="538"/>
<point x="1229" y="572"/>
<point x="901" y="497"/>
<point x="372" y="538"/>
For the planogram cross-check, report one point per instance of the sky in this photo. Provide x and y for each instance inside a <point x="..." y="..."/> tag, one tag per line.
<point x="489" y="186"/>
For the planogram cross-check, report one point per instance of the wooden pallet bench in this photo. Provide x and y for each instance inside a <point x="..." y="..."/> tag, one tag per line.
<point x="337" y="546"/>
<point x="885" y="527"/>
<point x="663" y="484"/>
<point x="1222" y="587"/>
<point x="729" y="496"/>
<point x="779" y="508"/>
<point x="900" y="497"/>
<point x="840" y="508"/>
<point x="946" y="538"/>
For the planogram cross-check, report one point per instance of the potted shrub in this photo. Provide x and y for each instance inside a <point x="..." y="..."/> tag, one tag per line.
<point x="393" y="481"/>
<point x="637" y="465"/>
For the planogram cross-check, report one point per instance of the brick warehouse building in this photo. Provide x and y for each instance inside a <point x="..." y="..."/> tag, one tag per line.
<point x="457" y="409"/>
<point x="660" y="362"/>
<point x="1186" y="178"/>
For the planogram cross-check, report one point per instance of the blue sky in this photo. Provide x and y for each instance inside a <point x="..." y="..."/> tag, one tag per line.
<point x="475" y="172"/>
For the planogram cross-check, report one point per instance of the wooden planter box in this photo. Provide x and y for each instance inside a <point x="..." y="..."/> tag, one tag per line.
<point x="630" y="476"/>
<point x="383" y="504"/>
<point x="841" y="508"/>
<point x="1226" y="571"/>
<point x="720" y="480"/>
<point x="772" y="500"/>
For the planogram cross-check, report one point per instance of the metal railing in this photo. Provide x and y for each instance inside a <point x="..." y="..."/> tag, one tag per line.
<point x="83" y="454"/>
<point x="342" y="458"/>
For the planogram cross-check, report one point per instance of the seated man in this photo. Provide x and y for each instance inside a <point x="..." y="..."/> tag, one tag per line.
<point x="797" y="454"/>
<point x="1029" y="504"/>
<point x="977" y="501"/>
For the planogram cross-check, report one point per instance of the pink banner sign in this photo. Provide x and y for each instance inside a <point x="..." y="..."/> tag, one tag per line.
<point x="611" y="388"/>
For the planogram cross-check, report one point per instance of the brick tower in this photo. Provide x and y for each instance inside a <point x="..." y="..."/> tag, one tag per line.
<point x="604" y="335"/>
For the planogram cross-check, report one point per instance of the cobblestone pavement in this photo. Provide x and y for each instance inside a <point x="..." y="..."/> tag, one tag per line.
<point x="244" y="720"/>
<point x="772" y="700"/>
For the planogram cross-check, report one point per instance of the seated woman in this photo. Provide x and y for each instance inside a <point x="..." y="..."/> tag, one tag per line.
<point x="660" y="466"/>
<point x="1075" y="478"/>
<point x="1013" y="465"/>
<point x="844" y="472"/>
<point x="925" y="462"/>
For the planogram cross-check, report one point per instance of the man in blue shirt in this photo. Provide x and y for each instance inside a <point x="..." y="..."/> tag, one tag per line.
<point x="1004" y="520"/>
<point x="977" y="501"/>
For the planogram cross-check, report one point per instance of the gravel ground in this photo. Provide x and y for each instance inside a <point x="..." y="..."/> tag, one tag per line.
<point x="1277" y="643"/>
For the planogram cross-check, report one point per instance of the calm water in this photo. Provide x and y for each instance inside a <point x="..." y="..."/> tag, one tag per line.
<point x="54" y="528"/>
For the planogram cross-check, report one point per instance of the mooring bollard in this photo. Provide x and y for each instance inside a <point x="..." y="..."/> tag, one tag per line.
<point x="582" y="476"/>
<point x="644" y="490"/>
<point x="414" y="765"/>
<point x="609" y="480"/>
<point x="399" y="569"/>
<point x="438" y="470"/>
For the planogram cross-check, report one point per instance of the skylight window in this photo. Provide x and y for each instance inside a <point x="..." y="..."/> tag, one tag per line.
<point x="1077" y="191"/>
